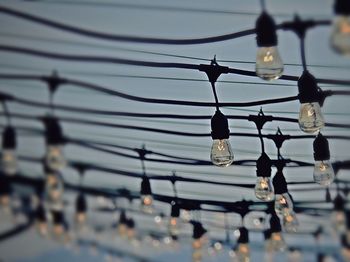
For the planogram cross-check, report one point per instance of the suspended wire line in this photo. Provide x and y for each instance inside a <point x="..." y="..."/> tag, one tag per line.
<point x="124" y="49"/>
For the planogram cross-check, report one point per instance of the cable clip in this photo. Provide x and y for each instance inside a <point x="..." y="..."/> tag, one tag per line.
<point x="214" y="70"/>
<point x="260" y="119"/>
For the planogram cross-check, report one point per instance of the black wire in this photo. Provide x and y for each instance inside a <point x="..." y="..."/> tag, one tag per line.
<point x="302" y="53"/>
<point x="215" y="96"/>
<point x="263" y="5"/>
<point x="6" y="112"/>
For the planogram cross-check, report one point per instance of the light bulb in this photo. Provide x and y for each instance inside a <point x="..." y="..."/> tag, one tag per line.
<point x="196" y="255"/>
<point x="323" y="173"/>
<point x="197" y="243"/>
<point x="243" y="252"/>
<point x="277" y="242"/>
<point x="42" y="228"/>
<point x="174" y="224"/>
<point x="54" y="192"/>
<point x="147" y="203"/>
<point x="122" y="229"/>
<point x="310" y="117"/>
<point x="54" y="157"/>
<point x="338" y="220"/>
<point x="9" y="161"/>
<point x="340" y="37"/>
<point x="283" y="204"/>
<point x="269" y="65"/>
<point x="221" y="153"/>
<point x="264" y="189"/>
<point x="290" y="222"/>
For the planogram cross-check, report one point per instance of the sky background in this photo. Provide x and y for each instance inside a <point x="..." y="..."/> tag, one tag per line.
<point x="167" y="19"/>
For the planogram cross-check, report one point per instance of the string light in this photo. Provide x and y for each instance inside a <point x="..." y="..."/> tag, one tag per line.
<point x="310" y="116"/>
<point x="54" y="142"/>
<point x="263" y="187"/>
<point x="221" y="153"/>
<point x="174" y="221"/>
<point x="290" y="222"/>
<point x="9" y="157"/>
<point x="276" y="239"/>
<point x="323" y="170"/>
<point x="58" y="223"/>
<point x="146" y="195"/>
<point x="5" y="192"/>
<point x="53" y="190"/>
<point x="283" y="201"/>
<point x="345" y="239"/>
<point x="198" y="241"/>
<point x="269" y="64"/>
<point x="41" y="221"/>
<point x="80" y="209"/>
<point x="338" y="216"/>
<point x="242" y="248"/>
<point x="340" y="36"/>
<point x="122" y="224"/>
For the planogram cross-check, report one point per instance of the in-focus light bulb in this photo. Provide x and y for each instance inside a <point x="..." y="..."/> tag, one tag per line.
<point x="340" y="37"/>
<point x="283" y="204"/>
<point x="277" y="242"/>
<point x="310" y="117"/>
<point x="55" y="158"/>
<point x="290" y="222"/>
<point x="269" y="65"/>
<point x="221" y="153"/>
<point x="323" y="173"/>
<point x="9" y="161"/>
<point x="264" y="189"/>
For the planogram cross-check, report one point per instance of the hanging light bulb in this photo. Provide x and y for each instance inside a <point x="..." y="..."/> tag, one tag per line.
<point x="338" y="215"/>
<point x="122" y="224"/>
<point x="340" y="37"/>
<point x="221" y="153"/>
<point x="198" y="241"/>
<point x="283" y="201"/>
<point x="53" y="190"/>
<point x="54" y="144"/>
<point x="263" y="187"/>
<point x="81" y="208"/>
<point x="8" y="157"/>
<point x="58" y="223"/>
<point x="5" y="192"/>
<point x="310" y="117"/>
<point x="41" y="221"/>
<point x="146" y="195"/>
<point x="267" y="237"/>
<point x="290" y="222"/>
<point x="345" y="238"/>
<point x="130" y="223"/>
<point x="323" y="170"/>
<point x="294" y="255"/>
<point x="242" y="249"/>
<point x="276" y="240"/>
<point x="269" y="65"/>
<point x="174" y="222"/>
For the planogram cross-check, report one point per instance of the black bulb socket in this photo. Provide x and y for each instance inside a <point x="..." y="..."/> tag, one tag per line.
<point x="54" y="134"/>
<point x="198" y="230"/>
<point x="263" y="166"/>
<point x="146" y="186"/>
<point x="275" y="224"/>
<point x="175" y="210"/>
<point x="279" y="183"/>
<point x="243" y="236"/>
<point x="265" y="29"/>
<point x="81" y="204"/>
<point x="321" y="148"/>
<point x="339" y="203"/>
<point x="9" y="138"/>
<point x="342" y="7"/>
<point x="308" y="88"/>
<point x="219" y="126"/>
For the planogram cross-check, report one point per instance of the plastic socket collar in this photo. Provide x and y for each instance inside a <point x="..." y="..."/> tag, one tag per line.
<point x="265" y="28"/>
<point x="219" y="126"/>
<point x="146" y="186"/>
<point x="263" y="166"/>
<point x="279" y="183"/>
<point x="321" y="148"/>
<point x="308" y="89"/>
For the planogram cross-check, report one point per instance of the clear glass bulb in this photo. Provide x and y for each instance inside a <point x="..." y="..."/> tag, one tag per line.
<point x="340" y="37"/>
<point x="221" y="153"/>
<point x="310" y="117"/>
<point x="174" y="226"/>
<point x="54" y="192"/>
<point x="269" y="65"/>
<point x="338" y="220"/>
<point x="9" y="162"/>
<point x="147" y="203"/>
<point x="277" y="242"/>
<point x="323" y="173"/>
<point x="55" y="158"/>
<point x="283" y="204"/>
<point x="290" y="222"/>
<point x="243" y="253"/>
<point x="264" y="189"/>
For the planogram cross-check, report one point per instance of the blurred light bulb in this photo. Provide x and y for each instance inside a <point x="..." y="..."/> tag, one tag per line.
<point x="54" y="157"/>
<point x="323" y="173"/>
<point x="196" y="255"/>
<point x="243" y="253"/>
<point x="80" y="217"/>
<point x="54" y="192"/>
<point x="197" y="243"/>
<point x="147" y="203"/>
<point x="310" y="117"/>
<point x="264" y="189"/>
<point x="221" y="153"/>
<point x="9" y="161"/>
<point x="269" y="65"/>
<point x="290" y="222"/>
<point x="122" y="230"/>
<point x="42" y="228"/>
<point x="340" y="37"/>
<point x="283" y="204"/>
<point x="338" y="220"/>
<point x="277" y="242"/>
<point x="174" y="226"/>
